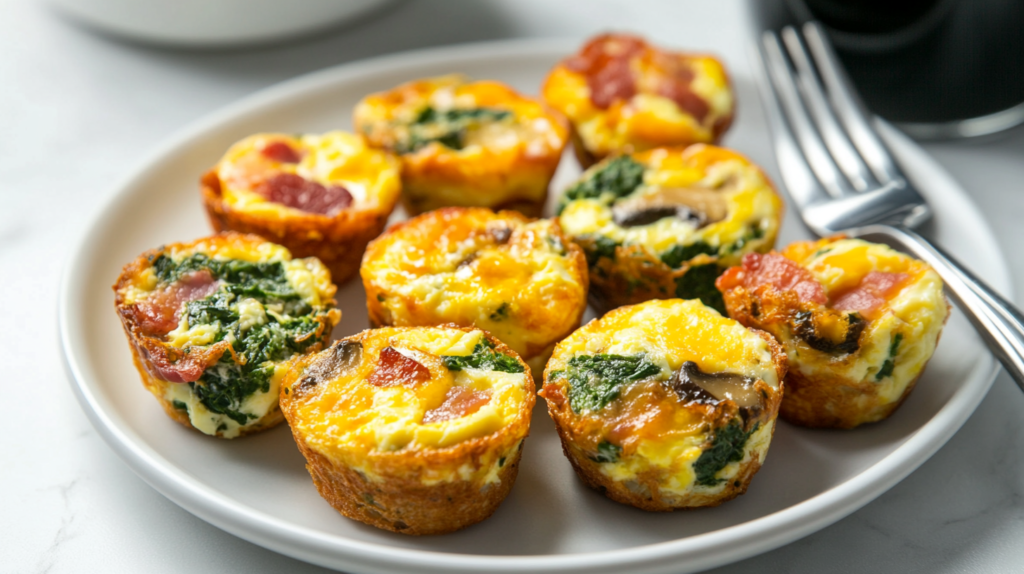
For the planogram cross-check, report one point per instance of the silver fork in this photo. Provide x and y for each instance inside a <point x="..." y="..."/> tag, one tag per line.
<point x="844" y="179"/>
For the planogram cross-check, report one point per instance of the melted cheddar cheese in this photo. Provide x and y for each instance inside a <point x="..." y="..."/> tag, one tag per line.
<point x="357" y="424"/>
<point x="518" y="279"/>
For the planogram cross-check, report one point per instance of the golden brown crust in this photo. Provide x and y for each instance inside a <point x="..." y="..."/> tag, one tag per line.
<point x="406" y="505"/>
<point x="338" y="241"/>
<point x="403" y="499"/>
<point x="613" y="282"/>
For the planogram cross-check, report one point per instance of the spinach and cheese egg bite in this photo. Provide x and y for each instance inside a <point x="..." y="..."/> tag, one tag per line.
<point x="623" y="95"/>
<point x="664" y="223"/>
<point x="212" y="324"/>
<point x="416" y="430"/>
<point x="462" y="143"/>
<point x="522" y="280"/>
<point x="320" y="195"/>
<point x="859" y="322"/>
<point x="666" y="404"/>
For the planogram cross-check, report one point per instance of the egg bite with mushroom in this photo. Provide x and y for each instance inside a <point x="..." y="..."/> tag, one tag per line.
<point x="212" y="323"/>
<point x="666" y="404"/>
<point x="319" y="195"/>
<point x="664" y="223"/>
<point x="623" y="95"/>
<point x="416" y="430"/>
<point x="520" y="279"/>
<point x="463" y="143"/>
<point x="859" y="322"/>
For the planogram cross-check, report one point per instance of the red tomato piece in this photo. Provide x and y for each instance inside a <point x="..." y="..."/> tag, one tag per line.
<point x="282" y="152"/>
<point x="458" y="402"/>
<point x="300" y="193"/>
<point x="394" y="368"/>
<point x="605" y="61"/>
<point x="775" y="270"/>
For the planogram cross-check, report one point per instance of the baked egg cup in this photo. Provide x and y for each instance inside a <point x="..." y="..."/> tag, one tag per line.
<point x="859" y="322"/>
<point x="416" y="430"/>
<point x="666" y="222"/>
<point x="666" y="404"/>
<point x="520" y="279"/>
<point x="319" y="195"/>
<point x="623" y="95"/>
<point x="212" y="324"/>
<point x="463" y="143"/>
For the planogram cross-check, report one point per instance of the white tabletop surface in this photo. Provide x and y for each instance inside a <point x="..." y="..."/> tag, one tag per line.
<point x="79" y="110"/>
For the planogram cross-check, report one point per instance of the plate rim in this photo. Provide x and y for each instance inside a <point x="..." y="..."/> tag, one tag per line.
<point x="701" y="551"/>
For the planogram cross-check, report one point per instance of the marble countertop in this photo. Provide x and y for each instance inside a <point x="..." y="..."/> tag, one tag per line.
<point x="80" y="110"/>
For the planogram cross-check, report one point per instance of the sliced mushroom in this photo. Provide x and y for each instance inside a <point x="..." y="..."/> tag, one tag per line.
<point x="694" y="385"/>
<point x="699" y="205"/>
<point x="829" y="331"/>
<point x="342" y="356"/>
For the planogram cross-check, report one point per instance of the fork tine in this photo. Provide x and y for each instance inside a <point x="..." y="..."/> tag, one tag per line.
<point x="838" y="143"/>
<point x="813" y="148"/>
<point x="848" y="107"/>
<point x="801" y="184"/>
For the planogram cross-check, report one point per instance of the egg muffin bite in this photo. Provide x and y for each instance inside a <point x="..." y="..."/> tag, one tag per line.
<point x="522" y="280"/>
<point x="664" y="223"/>
<point x="462" y="143"/>
<point x="858" y="320"/>
<point x="623" y="95"/>
<point x="212" y="324"/>
<point x="665" y="405"/>
<point x="416" y="430"/>
<point x="320" y="195"/>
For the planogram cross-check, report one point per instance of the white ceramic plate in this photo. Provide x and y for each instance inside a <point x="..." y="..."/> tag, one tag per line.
<point x="257" y="488"/>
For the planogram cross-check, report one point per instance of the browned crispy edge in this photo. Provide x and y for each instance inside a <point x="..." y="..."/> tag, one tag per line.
<point x="379" y="317"/>
<point x="338" y="241"/>
<point x="142" y="345"/>
<point x="401" y="502"/>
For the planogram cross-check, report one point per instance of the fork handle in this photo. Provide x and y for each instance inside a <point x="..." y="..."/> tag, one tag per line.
<point x="1000" y="324"/>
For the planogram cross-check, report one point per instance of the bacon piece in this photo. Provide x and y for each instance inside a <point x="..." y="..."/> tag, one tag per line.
<point x="677" y="88"/>
<point x="394" y="368"/>
<point x="458" y="402"/>
<point x="605" y="61"/>
<point x="281" y="151"/>
<point x="159" y="313"/>
<point x="182" y="366"/>
<point x="871" y="293"/>
<point x="298" y="192"/>
<point x="776" y="270"/>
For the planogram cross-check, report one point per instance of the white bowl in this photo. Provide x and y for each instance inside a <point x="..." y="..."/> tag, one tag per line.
<point x="213" y="23"/>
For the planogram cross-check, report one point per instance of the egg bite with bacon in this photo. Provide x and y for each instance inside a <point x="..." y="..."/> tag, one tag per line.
<point x="666" y="404"/>
<point x="623" y="95"/>
<point x="520" y="279"/>
<point x="212" y="323"/>
<point x="319" y="195"/>
<point x="416" y="430"/>
<point x="859" y="322"/>
<point x="463" y="143"/>
<point x="664" y="223"/>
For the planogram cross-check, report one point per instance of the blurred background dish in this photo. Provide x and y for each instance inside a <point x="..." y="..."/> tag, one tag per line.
<point x="938" y="69"/>
<point x="214" y="23"/>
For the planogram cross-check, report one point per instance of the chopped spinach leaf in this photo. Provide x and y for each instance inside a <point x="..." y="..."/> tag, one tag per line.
<point x="500" y="313"/>
<point x="890" y="363"/>
<point x="617" y="178"/>
<point x="179" y="405"/>
<point x="596" y="380"/>
<point x="483" y="357"/>
<point x="752" y="234"/>
<point x="607" y="452"/>
<point x="679" y="254"/>
<point x="265" y="280"/>
<point x="599" y="246"/>
<point x="447" y="128"/>
<point x="726" y="447"/>
<point x="699" y="283"/>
